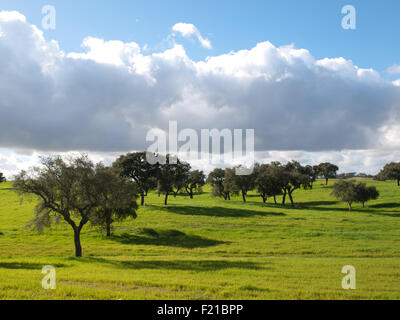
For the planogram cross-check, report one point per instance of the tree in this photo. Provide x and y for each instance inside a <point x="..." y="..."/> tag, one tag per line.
<point x="136" y="167"/>
<point x="365" y="194"/>
<point x="391" y="171"/>
<point x="346" y="191"/>
<point x="312" y="172"/>
<point x="195" y="181"/>
<point x="65" y="188"/>
<point x="2" y="178"/>
<point x="238" y="183"/>
<point x="216" y="179"/>
<point x="181" y="178"/>
<point x="117" y="198"/>
<point x="292" y="177"/>
<point x="266" y="182"/>
<point x="327" y="170"/>
<point x="170" y="175"/>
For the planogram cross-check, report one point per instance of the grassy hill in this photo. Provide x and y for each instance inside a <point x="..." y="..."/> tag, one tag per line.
<point x="208" y="248"/>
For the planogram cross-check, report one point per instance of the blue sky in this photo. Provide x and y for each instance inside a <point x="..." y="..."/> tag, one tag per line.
<point x="230" y="25"/>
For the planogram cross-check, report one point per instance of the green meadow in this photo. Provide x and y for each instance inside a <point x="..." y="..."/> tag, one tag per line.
<point x="208" y="248"/>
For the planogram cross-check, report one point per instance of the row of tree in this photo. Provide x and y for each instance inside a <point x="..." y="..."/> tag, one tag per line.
<point x="270" y="180"/>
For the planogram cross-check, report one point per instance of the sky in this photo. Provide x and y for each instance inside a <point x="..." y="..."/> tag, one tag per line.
<point x="110" y="70"/>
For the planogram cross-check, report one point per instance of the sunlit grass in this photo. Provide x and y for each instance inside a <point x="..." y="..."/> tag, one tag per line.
<point x="208" y="248"/>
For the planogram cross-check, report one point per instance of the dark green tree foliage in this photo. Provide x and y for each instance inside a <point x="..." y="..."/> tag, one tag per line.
<point x="2" y="178"/>
<point x="117" y="198"/>
<point x="345" y="191"/>
<point x="391" y="171"/>
<point x="65" y="188"/>
<point x="216" y="179"/>
<point x="312" y="172"/>
<point x="327" y="170"/>
<point x="136" y="167"/>
<point x="350" y="191"/>
<point x="267" y="182"/>
<point x="236" y="184"/>
<point x="170" y="175"/>
<point x="365" y="194"/>
<point x="293" y="176"/>
<point x="181" y="177"/>
<point x="195" y="181"/>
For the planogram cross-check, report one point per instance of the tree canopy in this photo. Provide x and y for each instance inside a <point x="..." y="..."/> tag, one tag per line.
<point x="391" y="171"/>
<point x="195" y="180"/>
<point x="117" y="198"/>
<point x="72" y="189"/>
<point x="136" y="167"/>
<point x="216" y="179"/>
<point x="327" y="170"/>
<point x="236" y="184"/>
<point x="351" y="191"/>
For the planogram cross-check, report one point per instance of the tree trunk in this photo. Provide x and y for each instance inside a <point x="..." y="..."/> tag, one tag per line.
<point x="142" y="199"/>
<point x="284" y="198"/>
<point x="108" y="228"/>
<point x="363" y="204"/>
<point x="264" y="198"/>
<point x="291" y="198"/>
<point x="166" y="199"/>
<point x="191" y="193"/>
<point x="350" y="209"/>
<point x="77" y="240"/>
<point x="326" y="180"/>
<point x="244" y="196"/>
<point x="275" y="199"/>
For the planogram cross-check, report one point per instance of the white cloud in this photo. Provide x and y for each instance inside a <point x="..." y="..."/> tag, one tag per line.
<point x="394" y="69"/>
<point x="188" y="30"/>
<point x="105" y="99"/>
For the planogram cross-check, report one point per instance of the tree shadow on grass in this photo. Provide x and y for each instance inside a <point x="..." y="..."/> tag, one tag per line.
<point x="358" y="210"/>
<point x="218" y="211"/>
<point x="184" y="265"/>
<point x="25" y="265"/>
<point x="170" y="238"/>
<point x="389" y="205"/>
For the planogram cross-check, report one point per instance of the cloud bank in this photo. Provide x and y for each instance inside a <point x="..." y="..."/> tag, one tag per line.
<point x="107" y="97"/>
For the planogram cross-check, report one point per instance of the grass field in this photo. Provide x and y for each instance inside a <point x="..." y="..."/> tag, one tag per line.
<point x="208" y="248"/>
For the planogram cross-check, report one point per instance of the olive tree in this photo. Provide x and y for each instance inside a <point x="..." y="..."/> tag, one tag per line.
<point x="266" y="182"/>
<point x="195" y="180"/>
<point x="216" y="179"/>
<point x="2" y="177"/>
<point x="117" y="198"/>
<point x="171" y="173"/>
<point x="136" y="167"/>
<point x="391" y="171"/>
<point x="327" y="170"/>
<point x="65" y="188"/>
<point x="350" y="191"/>
<point x="365" y="194"/>
<point x="236" y="184"/>
<point x="293" y="176"/>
